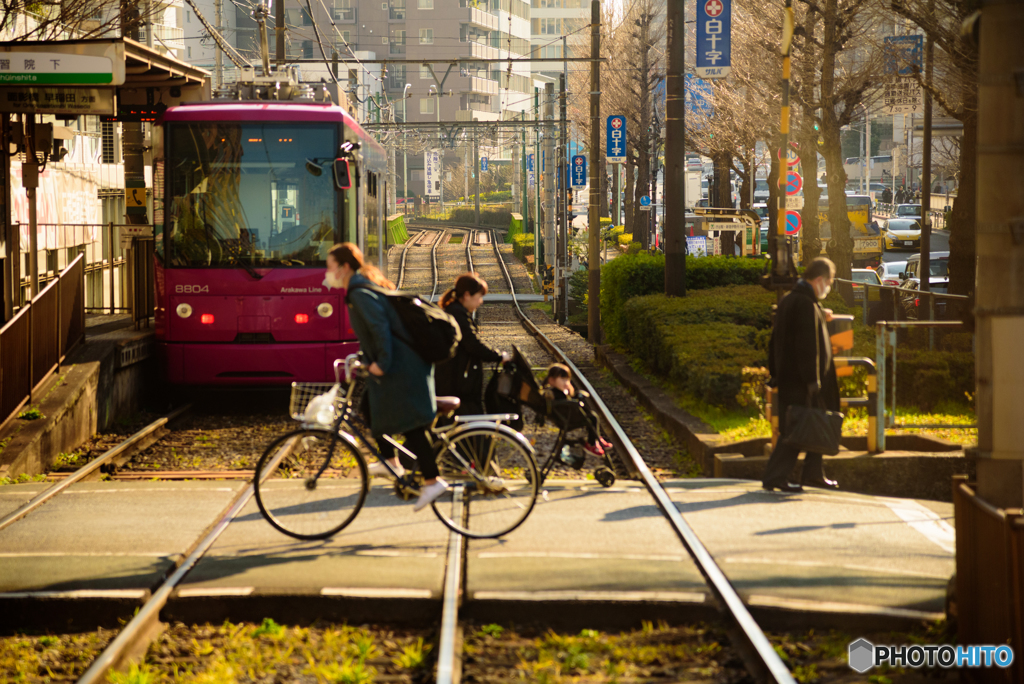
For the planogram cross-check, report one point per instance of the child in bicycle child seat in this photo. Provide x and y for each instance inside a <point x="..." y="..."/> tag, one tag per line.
<point x="568" y="402"/>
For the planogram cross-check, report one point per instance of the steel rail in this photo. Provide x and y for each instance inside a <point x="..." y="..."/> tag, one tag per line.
<point x="140" y="440"/>
<point x="433" y="262"/>
<point x="142" y="627"/>
<point x="448" y="671"/>
<point x="760" y="656"/>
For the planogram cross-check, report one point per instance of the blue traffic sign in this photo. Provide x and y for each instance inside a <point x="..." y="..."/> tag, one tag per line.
<point x="483" y="163"/>
<point x="714" y="38"/>
<point x="792" y="223"/>
<point x="645" y="201"/>
<point x="579" y="171"/>
<point x="531" y="172"/>
<point x="903" y="54"/>
<point x="794" y="183"/>
<point x="698" y="93"/>
<point x="615" y="146"/>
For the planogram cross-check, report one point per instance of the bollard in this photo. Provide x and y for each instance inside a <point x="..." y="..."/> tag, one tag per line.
<point x="875" y="444"/>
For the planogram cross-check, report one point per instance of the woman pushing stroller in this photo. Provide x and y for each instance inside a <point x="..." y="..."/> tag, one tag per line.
<point x="462" y="376"/>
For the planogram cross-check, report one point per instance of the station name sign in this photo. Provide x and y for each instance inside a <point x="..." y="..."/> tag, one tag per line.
<point x="57" y="100"/>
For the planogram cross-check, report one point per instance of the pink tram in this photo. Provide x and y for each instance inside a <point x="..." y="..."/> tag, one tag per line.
<point x="249" y="197"/>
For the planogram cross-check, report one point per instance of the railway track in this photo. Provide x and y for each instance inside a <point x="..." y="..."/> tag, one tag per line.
<point x="431" y="254"/>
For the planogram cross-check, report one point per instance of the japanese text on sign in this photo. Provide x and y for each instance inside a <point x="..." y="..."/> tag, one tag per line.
<point x="714" y="38"/>
<point x="432" y="173"/>
<point x="902" y="95"/>
<point x="616" y="142"/>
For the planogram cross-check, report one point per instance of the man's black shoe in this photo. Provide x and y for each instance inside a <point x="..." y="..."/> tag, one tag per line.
<point x="822" y="482"/>
<point x="788" y="487"/>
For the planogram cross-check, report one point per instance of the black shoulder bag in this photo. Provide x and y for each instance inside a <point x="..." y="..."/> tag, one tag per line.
<point x="814" y="428"/>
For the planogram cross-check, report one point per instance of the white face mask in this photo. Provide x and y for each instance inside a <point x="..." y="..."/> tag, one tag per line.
<point x="823" y="293"/>
<point x="331" y="281"/>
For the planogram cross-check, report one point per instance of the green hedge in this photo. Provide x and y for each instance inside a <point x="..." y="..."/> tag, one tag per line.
<point x="926" y="379"/>
<point x="702" y="342"/>
<point x="637" y="274"/>
<point x="515" y="227"/>
<point x="487" y="218"/>
<point x="625" y="238"/>
<point x="522" y="246"/>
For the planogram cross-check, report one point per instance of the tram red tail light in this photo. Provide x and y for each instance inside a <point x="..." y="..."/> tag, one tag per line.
<point x="301" y="318"/>
<point x="206" y="319"/>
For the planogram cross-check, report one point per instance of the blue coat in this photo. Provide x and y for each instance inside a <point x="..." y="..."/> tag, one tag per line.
<point x="403" y="398"/>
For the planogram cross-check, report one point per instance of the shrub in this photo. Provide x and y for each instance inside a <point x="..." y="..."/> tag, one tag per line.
<point x="701" y="343"/>
<point x="924" y="379"/>
<point x="634" y="248"/>
<point x="579" y="285"/>
<point x="638" y="273"/>
<point x="625" y="238"/>
<point x="500" y="219"/>
<point x="522" y="245"/>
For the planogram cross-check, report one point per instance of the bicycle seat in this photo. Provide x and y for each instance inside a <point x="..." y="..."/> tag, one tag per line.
<point x="448" y="405"/>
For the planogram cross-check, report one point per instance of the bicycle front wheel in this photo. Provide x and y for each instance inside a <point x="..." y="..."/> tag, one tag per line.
<point x="311" y="483"/>
<point x="497" y="474"/>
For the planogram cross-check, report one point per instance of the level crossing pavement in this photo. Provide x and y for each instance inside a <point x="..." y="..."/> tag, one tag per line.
<point x="822" y="555"/>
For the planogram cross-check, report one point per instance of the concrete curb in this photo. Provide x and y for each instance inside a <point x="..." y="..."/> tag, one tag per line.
<point x="914" y="466"/>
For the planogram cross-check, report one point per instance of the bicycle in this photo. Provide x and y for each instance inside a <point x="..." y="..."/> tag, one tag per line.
<point x="311" y="483"/>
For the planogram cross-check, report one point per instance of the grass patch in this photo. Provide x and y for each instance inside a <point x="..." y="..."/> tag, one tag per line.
<point x="323" y="653"/>
<point x="22" y="479"/>
<point x="542" y="306"/>
<point x="455" y="239"/>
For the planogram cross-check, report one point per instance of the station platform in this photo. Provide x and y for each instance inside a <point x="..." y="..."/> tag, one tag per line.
<point x="586" y="556"/>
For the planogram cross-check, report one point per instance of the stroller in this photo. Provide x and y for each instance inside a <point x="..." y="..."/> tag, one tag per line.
<point x="514" y="386"/>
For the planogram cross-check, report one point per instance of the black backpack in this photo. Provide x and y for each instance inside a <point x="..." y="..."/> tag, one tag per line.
<point x="435" y="334"/>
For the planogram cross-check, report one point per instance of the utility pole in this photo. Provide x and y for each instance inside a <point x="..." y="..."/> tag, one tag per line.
<point x="11" y="238"/>
<point x="218" y="20"/>
<point x="594" y="212"/>
<point x="476" y="175"/>
<point x="550" y="246"/>
<point x="675" y="153"/>
<point x="563" y="205"/>
<point x="926" y="185"/>
<point x="538" y="169"/>
<point x="30" y="179"/>
<point x="279" y="29"/>
<point x="524" y="180"/>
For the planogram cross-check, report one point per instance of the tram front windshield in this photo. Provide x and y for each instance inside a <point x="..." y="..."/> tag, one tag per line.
<point x="251" y="194"/>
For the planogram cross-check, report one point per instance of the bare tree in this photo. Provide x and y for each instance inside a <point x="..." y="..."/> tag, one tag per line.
<point x="69" y="19"/>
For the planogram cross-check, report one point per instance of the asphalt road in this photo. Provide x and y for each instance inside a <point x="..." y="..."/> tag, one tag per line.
<point x="940" y="243"/>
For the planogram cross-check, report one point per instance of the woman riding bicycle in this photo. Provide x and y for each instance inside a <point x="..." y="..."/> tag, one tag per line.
<point x="401" y="383"/>
<point x="462" y="376"/>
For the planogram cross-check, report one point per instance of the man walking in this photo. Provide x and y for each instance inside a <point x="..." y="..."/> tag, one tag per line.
<point x="801" y="366"/>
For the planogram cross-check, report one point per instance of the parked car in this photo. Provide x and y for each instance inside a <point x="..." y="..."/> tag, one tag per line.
<point x="939" y="267"/>
<point x="908" y="211"/>
<point x="889" y="272"/>
<point x="865" y="275"/>
<point x="902" y="232"/>
<point x="915" y="306"/>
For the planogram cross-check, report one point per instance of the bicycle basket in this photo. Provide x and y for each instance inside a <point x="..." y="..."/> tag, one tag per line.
<point x="303" y="393"/>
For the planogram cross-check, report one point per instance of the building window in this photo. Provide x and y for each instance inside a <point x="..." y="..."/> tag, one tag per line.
<point x="425" y="73"/>
<point x="425" y="4"/>
<point x="426" y="36"/>
<point x="426" y="105"/>
<point x="346" y="36"/>
<point x="307" y="49"/>
<point x="190" y="53"/>
<point x="307" y="20"/>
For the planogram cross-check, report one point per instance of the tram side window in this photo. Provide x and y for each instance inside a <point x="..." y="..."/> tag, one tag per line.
<point x="372" y="222"/>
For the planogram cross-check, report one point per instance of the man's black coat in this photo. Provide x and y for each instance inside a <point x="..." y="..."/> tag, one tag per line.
<point x="792" y="351"/>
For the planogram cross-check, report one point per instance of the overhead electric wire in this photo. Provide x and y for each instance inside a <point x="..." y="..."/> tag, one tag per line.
<point x="219" y="39"/>
<point x="316" y="32"/>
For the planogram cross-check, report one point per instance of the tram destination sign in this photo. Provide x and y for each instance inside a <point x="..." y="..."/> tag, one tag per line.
<point x="57" y="100"/>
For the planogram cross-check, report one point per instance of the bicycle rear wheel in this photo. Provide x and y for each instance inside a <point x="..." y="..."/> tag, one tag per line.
<point x="311" y="483"/>
<point x="496" y="471"/>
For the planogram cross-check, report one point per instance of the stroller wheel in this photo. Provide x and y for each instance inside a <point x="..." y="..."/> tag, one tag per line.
<point x="604" y="476"/>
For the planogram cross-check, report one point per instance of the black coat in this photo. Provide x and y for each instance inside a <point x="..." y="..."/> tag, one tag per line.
<point x="462" y="376"/>
<point x="792" y="350"/>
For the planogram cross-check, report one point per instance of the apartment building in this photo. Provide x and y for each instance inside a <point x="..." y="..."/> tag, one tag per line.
<point x="549" y="21"/>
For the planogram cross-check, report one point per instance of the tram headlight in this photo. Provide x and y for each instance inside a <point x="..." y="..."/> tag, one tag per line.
<point x="325" y="310"/>
<point x="184" y="310"/>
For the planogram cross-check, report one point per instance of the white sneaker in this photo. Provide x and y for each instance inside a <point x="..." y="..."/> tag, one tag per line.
<point x="429" y="494"/>
<point x="378" y="469"/>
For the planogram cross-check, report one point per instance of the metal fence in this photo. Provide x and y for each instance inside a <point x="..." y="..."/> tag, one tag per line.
<point x="989" y="578"/>
<point x="39" y="337"/>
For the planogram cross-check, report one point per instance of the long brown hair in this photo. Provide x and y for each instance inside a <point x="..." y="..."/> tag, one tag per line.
<point x="468" y="283"/>
<point x="349" y="253"/>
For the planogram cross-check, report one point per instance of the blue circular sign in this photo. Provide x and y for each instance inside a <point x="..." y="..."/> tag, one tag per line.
<point x="794" y="183"/>
<point x="792" y="223"/>
<point x="645" y="201"/>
